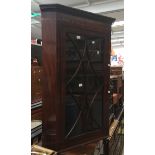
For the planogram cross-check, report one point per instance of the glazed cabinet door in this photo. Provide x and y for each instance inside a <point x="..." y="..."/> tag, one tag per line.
<point x="83" y="84"/>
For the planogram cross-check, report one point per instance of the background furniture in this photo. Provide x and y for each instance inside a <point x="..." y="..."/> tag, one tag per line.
<point x="36" y="131"/>
<point x="117" y="89"/>
<point x="36" y="82"/>
<point x="114" y="144"/>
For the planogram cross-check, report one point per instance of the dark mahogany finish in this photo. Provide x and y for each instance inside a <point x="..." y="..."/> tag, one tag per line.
<point x="60" y="24"/>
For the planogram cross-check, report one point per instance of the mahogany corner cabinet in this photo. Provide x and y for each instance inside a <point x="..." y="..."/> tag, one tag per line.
<point x="76" y="56"/>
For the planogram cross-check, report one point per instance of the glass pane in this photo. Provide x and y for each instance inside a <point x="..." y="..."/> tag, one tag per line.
<point x="84" y="84"/>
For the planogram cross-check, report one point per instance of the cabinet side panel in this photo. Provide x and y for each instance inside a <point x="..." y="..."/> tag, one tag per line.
<point x="49" y="58"/>
<point x="107" y="80"/>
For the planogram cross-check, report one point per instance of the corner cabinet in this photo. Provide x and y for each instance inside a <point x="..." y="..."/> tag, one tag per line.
<point x="76" y="56"/>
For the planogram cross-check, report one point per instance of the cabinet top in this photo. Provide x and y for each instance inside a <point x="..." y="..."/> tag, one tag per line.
<point x="75" y="12"/>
